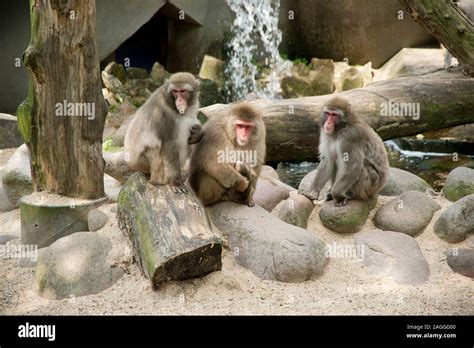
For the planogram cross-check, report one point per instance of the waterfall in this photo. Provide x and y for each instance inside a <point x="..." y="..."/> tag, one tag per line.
<point x="255" y="64"/>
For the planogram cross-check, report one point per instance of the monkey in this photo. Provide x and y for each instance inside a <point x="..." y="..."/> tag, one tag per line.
<point x="352" y="156"/>
<point x="227" y="162"/>
<point x="158" y="139"/>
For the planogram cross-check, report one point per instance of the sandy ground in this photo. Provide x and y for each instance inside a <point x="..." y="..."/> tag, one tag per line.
<point x="345" y="287"/>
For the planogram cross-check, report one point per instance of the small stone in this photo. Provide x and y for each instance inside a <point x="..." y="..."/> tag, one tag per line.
<point x="457" y="221"/>
<point x="270" y="192"/>
<point x="400" y="181"/>
<point x="96" y="219"/>
<point x="393" y="254"/>
<point x="349" y="218"/>
<point x="294" y="210"/>
<point x="459" y="183"/>
<point x="462" y="261"/>
<point x="409" y="213"/>
<point x="116" y="70"/>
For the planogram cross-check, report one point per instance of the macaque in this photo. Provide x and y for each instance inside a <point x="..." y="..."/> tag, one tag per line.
<point x="226" y="163"/>
<point x="352" y="155"/>
<point x="158" y="139"/>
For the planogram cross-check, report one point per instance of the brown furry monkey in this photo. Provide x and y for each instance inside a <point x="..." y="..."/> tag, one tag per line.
<point x="227" y="161"/>
<point x="158" y="138"/>
<point x="352" y="155"/>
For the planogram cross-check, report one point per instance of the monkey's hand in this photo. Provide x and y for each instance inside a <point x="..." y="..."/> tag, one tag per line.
<point x="195" y="134"/>
<point x="241" y="185"/>
<point x="178" y="186"/>
<point x="250" y="203"/>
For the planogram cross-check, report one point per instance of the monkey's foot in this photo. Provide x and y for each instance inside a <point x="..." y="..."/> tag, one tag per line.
<point x="341" y="203"/>
<point x="329" y="197"/>
<point x="179" y="189"/>
<point x="250" y="203"/>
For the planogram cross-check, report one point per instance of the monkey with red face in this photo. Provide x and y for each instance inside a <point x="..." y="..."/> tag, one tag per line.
<point x="227" y="161"/>
<point x="158" y="138"/>
<point x="352" y="155"/>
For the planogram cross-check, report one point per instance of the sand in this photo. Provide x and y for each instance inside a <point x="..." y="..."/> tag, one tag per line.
<point x="345" y="287"/>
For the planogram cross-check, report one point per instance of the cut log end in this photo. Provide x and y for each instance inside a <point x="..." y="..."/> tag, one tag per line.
<point x="171" y="234"/>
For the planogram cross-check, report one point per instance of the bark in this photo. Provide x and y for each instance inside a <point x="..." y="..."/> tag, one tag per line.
<point x="447" y="23"/>
<point x="445" y="100"/>
<point x="63" y="65"/>
<point x="171" y="235"/>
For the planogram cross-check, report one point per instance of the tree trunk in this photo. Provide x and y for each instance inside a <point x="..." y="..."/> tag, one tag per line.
<point x="62" y="118"/>
<point x="445" y="99"/>
<point x="171" y="234"/>
<point x="447" y="23"/>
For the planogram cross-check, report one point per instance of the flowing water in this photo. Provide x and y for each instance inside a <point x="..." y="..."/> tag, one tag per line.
<point x="255" y="64"/>
<point x="433" y="167"/>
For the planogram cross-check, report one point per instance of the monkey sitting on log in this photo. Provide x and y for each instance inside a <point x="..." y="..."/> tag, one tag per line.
<point x="158" y="139"/>
<point x="226" y="163"/>
<point x="352" y="155"/>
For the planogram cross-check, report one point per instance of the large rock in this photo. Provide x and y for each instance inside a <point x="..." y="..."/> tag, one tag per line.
<point x="209" y="93"/>
<point x="400" y="181"/>
<point x="309" y="81"/>
<point x="457" y="221"/>
<point x="212" y="69"/>
<point x="16" y="176"/>
<point x="461" y="261"/>
<point x="116" y="70"/>
<point x="460" y="183"/>
<point x="9" y="134"/>
<point x="75" y="266"/>
<point x="409" y="213"/>
<point x="306" y="189"/>
<point x="412" y="61"/>
<point x="393" y="254"/>
<point x="294" y="210"/>
<point x="351" y="78"/>
<point x="118" y="115"/>
<point x="134" y="73"/>
<point x="349" y="218"/>
<point x="159" y="74"/>
<point x="269" y="247"/>
<point x="269" y="172"/>
<point x="269" y="192"/>
<point x="96" y="219"/>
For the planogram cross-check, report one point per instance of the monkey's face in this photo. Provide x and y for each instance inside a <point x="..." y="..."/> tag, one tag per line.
<point x="243" y="131"/>
<point x="181" y="95"/>
<point x="332" y="119"/>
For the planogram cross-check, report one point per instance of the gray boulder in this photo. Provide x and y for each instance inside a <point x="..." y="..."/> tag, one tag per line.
<point x="116" y="70"/>
<point x="351" y="78"/>
<point x="409" y="213"/>
<point x="294" y="210"/>
<point x="269" y="247"/>
<point x="96" y="219"/>
<point x="461" y="261"/>
<point x="393" y="254"/>
<point x="209" y="93"/>
<point x="268" y="172"/>
<point x="5" y="204"/>
<point x="457" y="221"/>
<point x="269" y="192"/>
<point x="346" y="219"/>
<point x="117" y="115"/>
<point x="136" y="73"/>
<point x="16" y="176"/>
<point x="9" y="134"/>
<point x="159" y="74"/>
<point x="459" y="183"/>
<point x="305" y="187"/>
<point x="400" y="181"/>
<point x="75" y="265"/>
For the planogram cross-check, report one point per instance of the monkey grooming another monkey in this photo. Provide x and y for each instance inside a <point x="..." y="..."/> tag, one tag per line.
<point x="226" y="163"/>
<point x="352" y="155"/>
<point x="157" y="140"/>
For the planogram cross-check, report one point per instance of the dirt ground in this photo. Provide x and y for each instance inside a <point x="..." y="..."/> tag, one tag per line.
<point x="345" y="287"/>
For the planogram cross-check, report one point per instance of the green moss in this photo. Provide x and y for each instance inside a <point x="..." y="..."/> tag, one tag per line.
<point x="457" y="191"/>
<point x="108" y="147"/>
<point x="24" y="114"/>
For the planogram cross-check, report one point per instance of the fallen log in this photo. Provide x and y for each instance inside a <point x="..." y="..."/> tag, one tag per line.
<point x="444" y="98"/>
<point x="171" y="234"/>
